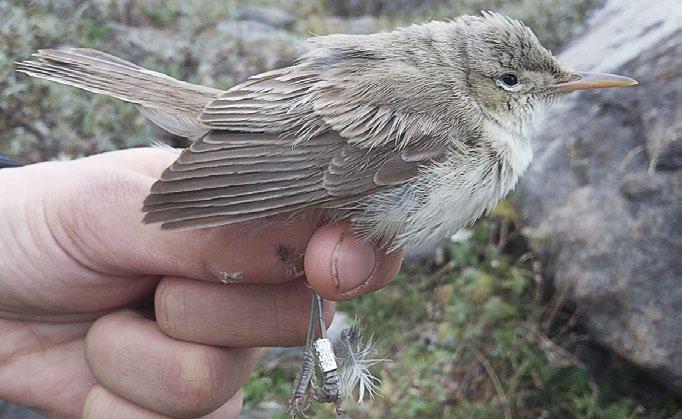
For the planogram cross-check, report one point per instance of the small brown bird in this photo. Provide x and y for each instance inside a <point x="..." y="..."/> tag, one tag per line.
<point x="410" y="135"/>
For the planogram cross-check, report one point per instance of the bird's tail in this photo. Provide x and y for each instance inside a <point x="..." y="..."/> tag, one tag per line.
<point x="161" y="98"/>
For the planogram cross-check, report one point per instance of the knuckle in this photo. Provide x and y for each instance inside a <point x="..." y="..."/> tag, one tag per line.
<point x="201" y="387"/>
<point x="100" y="340"/>
<point x="163" y="306"/>
<point x="172" y="308"/>
<point x="92" y="402"/>
<point x="97" y="338"/>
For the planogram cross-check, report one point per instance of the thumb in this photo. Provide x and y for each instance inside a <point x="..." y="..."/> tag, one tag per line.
<point x="339" y="267"/>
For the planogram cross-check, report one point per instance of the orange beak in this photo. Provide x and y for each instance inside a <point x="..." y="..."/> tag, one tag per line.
<point x="583" y="81"/>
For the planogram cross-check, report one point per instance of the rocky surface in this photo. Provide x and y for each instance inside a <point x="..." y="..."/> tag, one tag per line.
<point x="602" y="201"/>
<point x="375" y="7"/>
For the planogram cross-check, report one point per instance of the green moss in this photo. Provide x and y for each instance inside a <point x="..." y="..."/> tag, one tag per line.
<point x="159" y="14"/>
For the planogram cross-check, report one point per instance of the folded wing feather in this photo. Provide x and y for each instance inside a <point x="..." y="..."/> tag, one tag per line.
<point x="282" y="141"/>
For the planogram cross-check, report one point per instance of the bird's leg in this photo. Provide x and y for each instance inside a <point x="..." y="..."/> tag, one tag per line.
<point x="330" y="392"/>
<point x="299" y="400"/>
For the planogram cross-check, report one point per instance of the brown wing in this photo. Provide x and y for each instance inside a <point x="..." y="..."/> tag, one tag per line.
<point x="226" y="178"/>
<point x="273" y="149"/>
<point x="277" y="102"/>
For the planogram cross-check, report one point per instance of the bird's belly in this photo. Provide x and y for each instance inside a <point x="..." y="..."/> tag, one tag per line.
<point x="436" y="204"/>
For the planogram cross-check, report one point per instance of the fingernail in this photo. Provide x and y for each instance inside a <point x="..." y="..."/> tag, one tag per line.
<point x="352" y="263"/>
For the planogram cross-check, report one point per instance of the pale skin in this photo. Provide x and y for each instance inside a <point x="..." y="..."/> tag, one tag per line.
<point x="102" y="316"/>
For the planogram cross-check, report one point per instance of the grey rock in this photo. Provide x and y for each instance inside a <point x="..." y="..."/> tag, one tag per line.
<point x="245" y="29"/>
<point x="239" y="49"/>
<point x="335" y="24"/>
<point x="602" y="202"/>
<point x="141" y="42"/>
<point x="272" y="16"/>
<point x="220" y="54"/>
<point x="347" y="8"/>
<point x="361" y="25"/>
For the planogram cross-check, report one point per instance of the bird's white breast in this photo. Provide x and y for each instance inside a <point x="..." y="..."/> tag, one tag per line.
<point x="447" y="196"/>
<point x="513" y="143"/>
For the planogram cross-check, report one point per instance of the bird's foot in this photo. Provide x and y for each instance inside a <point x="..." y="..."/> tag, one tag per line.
<point x="318" y="354"/>
<point x="330" y="392"/>
<point x="298" y="405"/>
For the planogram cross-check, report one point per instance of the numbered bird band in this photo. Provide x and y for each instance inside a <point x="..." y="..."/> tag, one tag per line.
<point x="325" y="354"/>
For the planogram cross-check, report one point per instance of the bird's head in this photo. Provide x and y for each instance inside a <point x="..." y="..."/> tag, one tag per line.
<point x="510" y="74"/>
<point x="443" y="77"/>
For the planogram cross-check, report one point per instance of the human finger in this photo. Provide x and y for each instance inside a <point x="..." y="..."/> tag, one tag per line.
<point x="101" y="403"/>
<point x="338" y="266"/>
<point x="92" y="208"/>
<point x="235" y="315"/>
<point x="133" y="359"/>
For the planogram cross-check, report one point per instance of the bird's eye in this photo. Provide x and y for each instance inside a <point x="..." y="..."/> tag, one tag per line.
<point x="509" y="79"/>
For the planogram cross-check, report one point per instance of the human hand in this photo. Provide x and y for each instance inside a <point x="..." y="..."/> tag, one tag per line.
<point x="102" y="316"/>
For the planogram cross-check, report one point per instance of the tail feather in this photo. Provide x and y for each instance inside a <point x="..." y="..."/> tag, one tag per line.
<point x="175" y="102"/>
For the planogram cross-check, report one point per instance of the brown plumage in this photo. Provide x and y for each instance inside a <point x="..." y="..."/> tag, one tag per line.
<point x="410" y="134"/>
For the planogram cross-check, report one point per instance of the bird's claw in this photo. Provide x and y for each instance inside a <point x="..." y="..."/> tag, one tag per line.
<point x="323" y="397"/>
<point x="298" y="407"/>
<point x="318" y="353"/>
